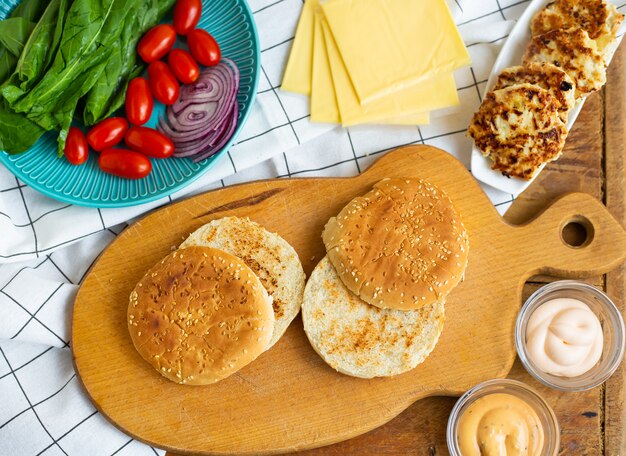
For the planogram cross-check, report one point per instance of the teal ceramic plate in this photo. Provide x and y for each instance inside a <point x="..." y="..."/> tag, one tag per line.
<point x="232" y="25"/>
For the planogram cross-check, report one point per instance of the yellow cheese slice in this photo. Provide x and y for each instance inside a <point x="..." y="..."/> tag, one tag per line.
<point x="389" y="45"/>
<point x="417" y="100"/>
<point x="323" y="98"/>
<point x="297" y="77"/>
<point x="323" y="102"/>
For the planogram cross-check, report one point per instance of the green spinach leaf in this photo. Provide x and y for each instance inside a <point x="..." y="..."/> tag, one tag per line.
<point x="64" y="111"/>
<point x="40" y="48"/>
<point x="17" y="132"/>
<point x="110" y="90"/>
<point x="119" y="97"/>
<point x="118" y="66"/>
<point x="30" y="10"/>
<point x="13" y="34"/>
<point x="7" y="64"/>
<point x="90" y="29"/>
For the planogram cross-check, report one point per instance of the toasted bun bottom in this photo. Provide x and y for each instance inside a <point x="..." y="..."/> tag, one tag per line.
<point x="361" y="340"/>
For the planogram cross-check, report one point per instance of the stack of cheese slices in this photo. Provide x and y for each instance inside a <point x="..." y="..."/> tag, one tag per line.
<point x="374" y="306"/>
<point x="212" y="306"/>
<point x="521" y="123"/>
<point x="375" y="61"/>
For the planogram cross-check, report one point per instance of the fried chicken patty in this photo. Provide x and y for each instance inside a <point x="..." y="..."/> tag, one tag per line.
<point x="599" y="18"/>
<point x="545" y="75"/>
<point x="575" y="53"/>
<point x="519" y="129"/>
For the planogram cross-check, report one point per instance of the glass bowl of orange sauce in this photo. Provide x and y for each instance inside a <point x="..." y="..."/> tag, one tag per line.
<point x="502" y="416"/>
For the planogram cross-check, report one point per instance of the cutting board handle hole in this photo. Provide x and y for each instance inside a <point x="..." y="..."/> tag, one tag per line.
<point x="577" y="232"/>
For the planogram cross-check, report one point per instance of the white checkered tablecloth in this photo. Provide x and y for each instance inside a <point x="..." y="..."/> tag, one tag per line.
<point x="46" y="247"/>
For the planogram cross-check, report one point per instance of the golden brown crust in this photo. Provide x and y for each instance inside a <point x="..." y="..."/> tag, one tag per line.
<point x="401" y="246"/>
<point x="270" y="257"/>
<point x="545" y="75"/>
<point x="599" y="18"/>
<point x="200" y="315"/>
<point x="519" y="129"/>
<point x="575" y="53"/>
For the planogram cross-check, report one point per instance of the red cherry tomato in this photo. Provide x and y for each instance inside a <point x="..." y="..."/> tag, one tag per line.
<point x="124" y="163"/>
<point x="163" y="83"/>
<point x="107" y="133"/>
<point x="139" y="101"/>
<point x="149" y="142"/>
<point x="186" y="15"/>
<point x="204" y="48"/>
<point x="156" y="43"/>
<point x="76" y="149"/>
<point x="183" y="66"/>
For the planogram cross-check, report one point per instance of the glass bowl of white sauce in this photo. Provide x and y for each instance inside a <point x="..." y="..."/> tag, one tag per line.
<point x="570" y="336"/>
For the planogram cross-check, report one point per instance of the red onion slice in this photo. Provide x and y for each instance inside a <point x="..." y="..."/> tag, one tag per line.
<point x="187" y="149"/>
<point x="227" y="134"/>
<point x="204" y="118"/>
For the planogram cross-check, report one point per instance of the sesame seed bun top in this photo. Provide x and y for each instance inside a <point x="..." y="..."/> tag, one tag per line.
<point x="200" y="315"/>
<point x="401" y="246"/>
<point x="270" y="257"/>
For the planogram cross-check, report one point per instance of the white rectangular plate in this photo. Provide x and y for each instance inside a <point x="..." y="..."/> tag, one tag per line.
<point x="511" y="55"/>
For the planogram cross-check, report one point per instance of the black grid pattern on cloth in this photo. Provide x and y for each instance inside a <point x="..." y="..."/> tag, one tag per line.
<point x="66" y="267"/>
<point x="14" y="363"/>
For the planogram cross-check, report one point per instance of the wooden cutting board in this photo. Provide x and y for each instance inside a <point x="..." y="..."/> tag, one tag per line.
<point x="289" y="399"/>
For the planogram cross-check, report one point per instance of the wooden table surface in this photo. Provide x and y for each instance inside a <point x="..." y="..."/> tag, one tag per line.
<point x="592" y="422"/>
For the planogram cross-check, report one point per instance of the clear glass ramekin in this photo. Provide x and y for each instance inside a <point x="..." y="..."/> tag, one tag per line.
<point x="521" y="390"/>
<point x="612" y="329"/>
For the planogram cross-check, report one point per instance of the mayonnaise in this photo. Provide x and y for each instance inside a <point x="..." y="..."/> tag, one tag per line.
<point x="564" y="337"/>
<point x="500" y="424"/>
